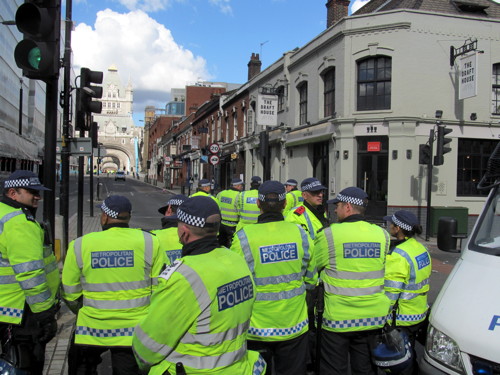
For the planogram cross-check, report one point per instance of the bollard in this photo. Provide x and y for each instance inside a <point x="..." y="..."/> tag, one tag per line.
<point x="447" y="229"/>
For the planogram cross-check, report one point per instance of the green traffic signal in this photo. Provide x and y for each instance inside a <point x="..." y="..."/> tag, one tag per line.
<point x="34" y="57"/>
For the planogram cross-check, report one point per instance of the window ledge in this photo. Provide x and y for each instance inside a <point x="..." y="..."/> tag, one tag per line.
<point x="372" y="111"/>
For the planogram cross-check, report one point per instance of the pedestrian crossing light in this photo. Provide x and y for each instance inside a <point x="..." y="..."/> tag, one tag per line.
<point x="424" y="154"/>
<point x="85" y="105"/>
<point x="442" y="141"/>
<point x="38" y="53"/>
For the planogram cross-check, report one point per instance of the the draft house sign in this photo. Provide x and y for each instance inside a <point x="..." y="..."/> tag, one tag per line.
<point x="267" y="110"/>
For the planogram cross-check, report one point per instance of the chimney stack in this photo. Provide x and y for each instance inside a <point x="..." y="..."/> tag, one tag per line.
<point x="254" y="66"/>
<point x="335" y="11"/>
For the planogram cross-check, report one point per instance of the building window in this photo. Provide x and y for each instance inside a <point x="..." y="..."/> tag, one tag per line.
<point x="250" y="121"/>
<point x="281" y="98"/>
<point x="329" y="93"/>
<point x="374" y="83"/>
<point x="473" y="155"/>
<point x="302" y="103"/>
<point x="226" y="135"/>
<point x="235" y="126"/>
<point x="495" y="90"/>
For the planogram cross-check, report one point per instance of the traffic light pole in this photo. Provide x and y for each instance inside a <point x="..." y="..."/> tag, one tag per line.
<point x="429" y="186"/>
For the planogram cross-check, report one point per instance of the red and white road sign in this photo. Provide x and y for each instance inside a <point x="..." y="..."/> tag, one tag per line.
<point x="214" y="148"/>
<point x="214" y="159"/>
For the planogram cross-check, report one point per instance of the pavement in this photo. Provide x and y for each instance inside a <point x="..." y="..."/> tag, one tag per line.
<point x="56" y="354"/>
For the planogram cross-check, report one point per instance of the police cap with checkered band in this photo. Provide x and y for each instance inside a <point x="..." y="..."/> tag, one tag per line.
<point x="311" y="184"/>
<point x="114" y="205"/>
<point x="273" y="188"/>
<point x="24" y="179"/>
<point x="352" y="195"/>
<point x="175" y="200"/>
<point x="204" y="182"/>
<point x="196" y="210"/>
<point x="404" y="219"/>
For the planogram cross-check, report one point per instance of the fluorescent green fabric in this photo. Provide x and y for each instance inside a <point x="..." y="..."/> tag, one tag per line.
<point x="351" y="257"/>
<point x="293" y="199"/>
<point x="280" y="256"/>
<point x="228" y="200"/>
<point x="170" y="246"/>
<point x="115" y="271"/>
<point x="28" y="270"/>
<point x="202" y="193"/>
<point x="303" y="216"/>
<point x="199" y="316"/>
<point x="248" y="211"/>
<point x="407" y="274"/>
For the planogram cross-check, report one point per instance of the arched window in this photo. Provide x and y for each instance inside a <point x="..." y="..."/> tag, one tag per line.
<point x="374" y="83"/>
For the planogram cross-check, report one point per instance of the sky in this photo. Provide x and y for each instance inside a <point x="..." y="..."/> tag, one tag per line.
<point x="163" y="44"/>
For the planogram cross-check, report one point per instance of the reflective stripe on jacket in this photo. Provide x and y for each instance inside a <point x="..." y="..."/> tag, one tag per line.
<point x="208" y="315"/>
<point x="248" y="211"/>
<point x="293" y="199"/>
<point x="307" y="220"/>
<point x="407" y="275"/>
<point x="170" y="246"/>
<point x="228" y="200"/>
<point x="351" y="257"/>
<point x="280" y="256"/>
<point x="28" y="269"/>
<point x="115" y="272"/>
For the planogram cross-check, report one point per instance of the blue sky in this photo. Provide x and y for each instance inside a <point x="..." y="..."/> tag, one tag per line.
<point x="164" y="44"/>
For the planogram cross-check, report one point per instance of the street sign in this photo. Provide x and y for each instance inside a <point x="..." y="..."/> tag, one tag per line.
<point x="214" y="159"/>
<point x="77" y="146"/>
<point x="214" y="148"/>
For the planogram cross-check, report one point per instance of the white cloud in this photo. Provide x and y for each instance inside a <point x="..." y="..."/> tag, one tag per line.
<point x="145" y="5"/>
<point x="223" y="5"/>
<point x="356" y="4"/>
<point x="143" y="50"/>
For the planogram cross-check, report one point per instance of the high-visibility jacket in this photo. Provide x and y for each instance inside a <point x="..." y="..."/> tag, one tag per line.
<point x="28" y="269"/>
<point x="407" y="272"/>
<point x="281" y="258"/>
<point x="303" y="216"/>
<point x="228" y="200"/>
<point x="293" y="199"/>
<point x="115" y="272"/>
<point x="199" y="316"/>
<point x="169" y="244"/>
<point x="202" y="193"/>
<point x="351" y="257"/>
<point x="248" y="211"/>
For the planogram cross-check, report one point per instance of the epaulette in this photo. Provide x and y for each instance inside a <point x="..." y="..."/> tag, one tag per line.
<point x="299" y="211"/>
<point x="167" y="272"/>
<point x="28" y="214"/>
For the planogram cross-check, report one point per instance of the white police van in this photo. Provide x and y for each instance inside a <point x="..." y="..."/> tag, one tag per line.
<point x="464" y="325"/>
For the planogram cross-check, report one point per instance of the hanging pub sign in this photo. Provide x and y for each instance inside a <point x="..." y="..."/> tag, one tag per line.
<point x="267" y="110"/>
<point x="467" y="76"/>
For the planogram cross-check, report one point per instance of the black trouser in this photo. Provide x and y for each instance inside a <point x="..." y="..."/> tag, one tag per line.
<point x="286" y="357"/>
<point x="20" y="344"/>
<point x="338" y="350"/>
<point x="226" y="235"/>
<point x="83" y="360"/>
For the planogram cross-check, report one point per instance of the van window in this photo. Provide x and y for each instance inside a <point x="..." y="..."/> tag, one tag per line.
<point x="486" y="236"/>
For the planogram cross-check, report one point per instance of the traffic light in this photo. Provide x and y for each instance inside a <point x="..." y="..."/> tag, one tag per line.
<point x="93" y="134"/>
<point x="38" y="53"/>
<point x="424" y="154"/>
<point x="85" y="106"/>
<point x="441" y="147"/>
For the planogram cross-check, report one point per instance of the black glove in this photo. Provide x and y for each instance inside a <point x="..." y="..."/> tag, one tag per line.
<point x="47" y="323"/>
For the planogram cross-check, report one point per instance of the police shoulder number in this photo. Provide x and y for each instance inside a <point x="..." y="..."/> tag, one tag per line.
<point x="167" y="272"/>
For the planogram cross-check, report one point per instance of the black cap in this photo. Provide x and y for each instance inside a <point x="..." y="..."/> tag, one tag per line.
<point x="311" y="184"/>
<point x="353" y="195"/>
<point x="175" y="200"/>
<point x="236" y="181"/>
<point x="204" y="182"/>
<point x="195" y="211"/>
<point x="114" y="205"/>
<point x="256" y="179"/>
<point x="24" y="179"/>
<point x="291" y="182"/>
<point x="272" y="187"/>
<point x="404" y="219"/>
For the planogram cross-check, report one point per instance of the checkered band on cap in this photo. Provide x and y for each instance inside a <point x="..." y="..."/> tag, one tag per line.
<point x="400" y="224"/>
<point x="108" y="211"/>
<point x="281" y="197"/>
<point x="195" y="221"/>
<point x="351" y="200"/>
<point x="311" y="185"/>
<point x="22" y="183"/>
<point x="175" y="202"/>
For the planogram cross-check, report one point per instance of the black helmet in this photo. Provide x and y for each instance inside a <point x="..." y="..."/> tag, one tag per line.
<point x="391" y="351"/>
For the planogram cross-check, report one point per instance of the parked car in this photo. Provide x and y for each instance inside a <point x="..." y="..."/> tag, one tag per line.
<point x="120" y="175"/>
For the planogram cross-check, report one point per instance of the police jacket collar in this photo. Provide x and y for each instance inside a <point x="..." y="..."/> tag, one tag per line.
<point x="268" y="217"/>
<point x="395" y="243"/>
<point x="201" y="246"/>
<point x="16" y="204"/>
<point x="232" y="188"/>
<point x="167" y="222"/>
<point x="319" y="212"/>
<point x="353" y="218"/>
<point x="115" y="225"/>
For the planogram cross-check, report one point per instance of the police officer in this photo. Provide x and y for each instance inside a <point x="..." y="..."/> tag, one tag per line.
<point x="311" y="213"/>
<point x="108" y="278"/>
<point x="351" y="259"/>
<point x="204" y="187"/>
<point x="201" y="310"/>
<point x="407" y="273"/>
<point x="293" y="195"/>
<point x="29" y="276"/>
<point x="167" y="236"/>
<point x="280" y="257"/>
<point x="248" y="211"/>
<point x="228" y="200"/>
